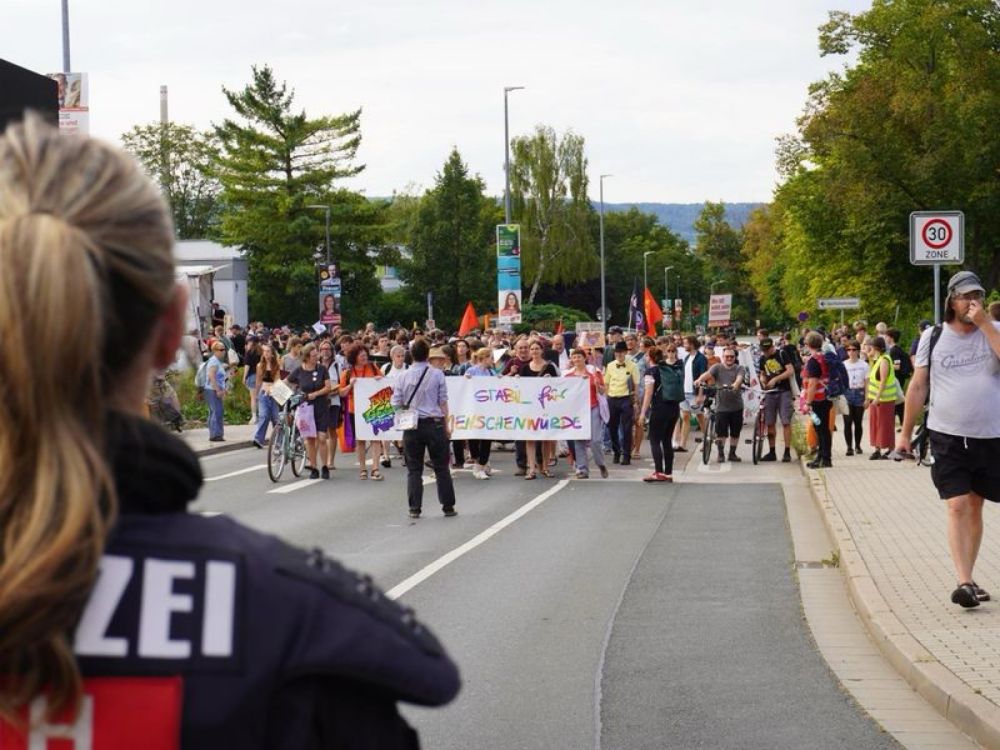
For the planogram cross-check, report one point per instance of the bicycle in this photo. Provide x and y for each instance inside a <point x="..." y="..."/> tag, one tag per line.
<point x="287" y="446"/>
<point x="760" y="429"/>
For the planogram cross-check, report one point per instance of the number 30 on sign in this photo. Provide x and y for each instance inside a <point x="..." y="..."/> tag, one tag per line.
<point x="937" y="237"/>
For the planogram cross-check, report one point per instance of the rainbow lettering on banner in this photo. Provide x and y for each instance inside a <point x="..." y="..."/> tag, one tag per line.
<point x="497" y="423"/>
<point x="549" y="394"/>
<point x="379" y="414"/>
<point x="500" y="396"/>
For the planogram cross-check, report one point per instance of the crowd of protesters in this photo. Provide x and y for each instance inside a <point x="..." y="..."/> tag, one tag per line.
<point x="640" y="387"/>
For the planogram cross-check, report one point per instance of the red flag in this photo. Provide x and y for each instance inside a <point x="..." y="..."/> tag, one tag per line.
<point x="559" y="327"/>
<point x="470" y="321"/>
<point x="653" y="312"/>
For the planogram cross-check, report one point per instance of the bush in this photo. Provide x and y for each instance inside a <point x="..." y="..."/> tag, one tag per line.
<point x="547" y="317"/>
<point x="236" y="405"/>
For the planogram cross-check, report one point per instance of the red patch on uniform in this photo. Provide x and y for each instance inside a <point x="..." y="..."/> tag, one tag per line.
<point x="115" y="713"/>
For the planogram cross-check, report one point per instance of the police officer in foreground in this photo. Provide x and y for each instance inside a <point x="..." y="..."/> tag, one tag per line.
<point x="125" y="621"/>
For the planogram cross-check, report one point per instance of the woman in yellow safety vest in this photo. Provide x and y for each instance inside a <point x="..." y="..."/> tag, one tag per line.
<point x="880" y="400"/>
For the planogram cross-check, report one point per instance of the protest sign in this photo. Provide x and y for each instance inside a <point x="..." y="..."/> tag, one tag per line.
<point x="487" y="409"/>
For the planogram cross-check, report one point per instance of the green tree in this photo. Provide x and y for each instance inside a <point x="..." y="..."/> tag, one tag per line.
<point x="548" y="185"/>
<point x="181" y="160"/>
<point x="719" y="246"/>
<point x="910" y="126"/>
<point x="274" y="165"/>
<point x="451" y="243"/>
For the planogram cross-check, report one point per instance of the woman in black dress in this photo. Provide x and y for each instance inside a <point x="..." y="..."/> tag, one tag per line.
<point x="313" y="379"/>
<point x="538" y="367"/>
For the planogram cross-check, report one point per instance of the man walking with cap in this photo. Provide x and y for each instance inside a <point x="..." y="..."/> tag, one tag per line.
<point x="422" y="388"/>
<point x="958" y="363"/>
<point x="621" y="377"/>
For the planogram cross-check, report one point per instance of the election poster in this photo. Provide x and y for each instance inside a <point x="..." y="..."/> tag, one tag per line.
<point x="74" y="103"/>
<point x="509" y="273"/>
<point x="487" y="409"/>
<point x="328" y="276"/>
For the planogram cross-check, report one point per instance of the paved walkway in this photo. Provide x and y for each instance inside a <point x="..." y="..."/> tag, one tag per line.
<point x="889" y="525"/>
<point x="236" y="437"/>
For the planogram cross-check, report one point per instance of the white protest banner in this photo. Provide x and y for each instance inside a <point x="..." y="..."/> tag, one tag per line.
<point x="720" y="308"/>
<point x="752" y="397"/>
<point x="519" y="408"/>
<point x="487" y="409"/>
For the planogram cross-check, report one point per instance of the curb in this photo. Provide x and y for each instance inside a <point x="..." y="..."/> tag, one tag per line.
<point x="227" y="448"/>
<point x="954" y="699"/>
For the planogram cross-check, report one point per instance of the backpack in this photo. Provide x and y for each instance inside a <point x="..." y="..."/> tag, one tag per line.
<point x="671" y="384"/>
<point x="792" y="355"/>
<point x="837" y="381"/>
<point x="201" y="377"/>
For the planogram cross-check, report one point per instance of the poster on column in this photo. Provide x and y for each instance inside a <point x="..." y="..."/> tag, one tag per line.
<point x="509" y="273"/>
<point x="74" y="103"/>
<point x="328" y="277"/>
<point x="487" y="409"/>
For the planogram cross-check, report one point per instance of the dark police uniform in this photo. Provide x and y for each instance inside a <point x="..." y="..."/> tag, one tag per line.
<point x="201" y="633"/>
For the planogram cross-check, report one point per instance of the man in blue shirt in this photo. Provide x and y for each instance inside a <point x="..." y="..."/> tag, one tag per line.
<point x="422" y="388"/>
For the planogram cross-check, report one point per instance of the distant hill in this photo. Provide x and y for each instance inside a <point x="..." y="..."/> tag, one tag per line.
<point x="680" y="217"/>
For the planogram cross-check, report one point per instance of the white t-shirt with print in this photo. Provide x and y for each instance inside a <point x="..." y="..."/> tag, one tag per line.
<point x="965" y="383"/>
<point x="857" y="373"/>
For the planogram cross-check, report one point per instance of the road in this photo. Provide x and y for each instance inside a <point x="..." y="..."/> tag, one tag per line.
<point x="584" y="614"/>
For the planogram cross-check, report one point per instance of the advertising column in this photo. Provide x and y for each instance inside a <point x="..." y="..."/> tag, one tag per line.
<point x="328" y="275"/>
<point x="509" y="273"/>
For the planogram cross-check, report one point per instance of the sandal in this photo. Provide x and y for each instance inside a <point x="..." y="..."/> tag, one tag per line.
<point x="376" y="475"/>
<point x="363" y="474"/>
<point x="531" y="475"/>
<point x="546" y="474"/>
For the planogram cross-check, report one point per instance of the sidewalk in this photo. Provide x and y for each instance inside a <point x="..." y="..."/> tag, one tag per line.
<point x="890" y="528"/>
<point x="236" y="436"/>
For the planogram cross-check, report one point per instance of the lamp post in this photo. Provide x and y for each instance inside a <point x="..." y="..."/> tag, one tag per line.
<point x="65" y="36"/>
<point x="666" y="292"/>
<point x="506" y="152"/>
<point x="645" y="280"/>
<point x="604" y="304"/>
<point x="711" y="291"/>
<point x="327" y="210"/>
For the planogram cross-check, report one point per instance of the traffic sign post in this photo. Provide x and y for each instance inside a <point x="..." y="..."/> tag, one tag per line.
<point x="937" y="238"/>
<point x="839" y="303"/>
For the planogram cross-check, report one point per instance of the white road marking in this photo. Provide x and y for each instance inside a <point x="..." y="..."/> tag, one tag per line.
<point x="236" y="473"/>
<point x="285" y="489"/>
<point x="209" y="513"/>
<point x="714" y="468"/>
<point x="446" y="559"/>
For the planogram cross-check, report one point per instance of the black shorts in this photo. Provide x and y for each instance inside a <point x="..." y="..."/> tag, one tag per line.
<point x="728" y="423"/>
<point x="963" y="465"/>
<point x="335" y="416"/>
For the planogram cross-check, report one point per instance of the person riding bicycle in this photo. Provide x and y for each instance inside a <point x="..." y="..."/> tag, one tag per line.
<point x="776" y="375"/>
<point x="729" y="376"/>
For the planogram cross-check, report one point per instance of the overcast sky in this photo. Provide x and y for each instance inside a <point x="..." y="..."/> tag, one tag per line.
<point x="680" y="100"/>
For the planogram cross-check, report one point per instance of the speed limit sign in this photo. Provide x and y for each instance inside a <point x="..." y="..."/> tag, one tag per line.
<point x="937" y="237"/>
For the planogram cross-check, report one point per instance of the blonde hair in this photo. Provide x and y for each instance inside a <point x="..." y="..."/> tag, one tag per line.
<point x="85" y="248"/>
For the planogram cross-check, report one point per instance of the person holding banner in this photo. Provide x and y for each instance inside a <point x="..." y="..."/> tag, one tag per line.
<point x="422" y="388"/>
<point x="360" y="367"/>
<point x="582" y="370"/>
<point x="538" y="367"/>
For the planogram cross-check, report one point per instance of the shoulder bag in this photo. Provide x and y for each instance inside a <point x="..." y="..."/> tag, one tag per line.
<point x="406" y="418"/>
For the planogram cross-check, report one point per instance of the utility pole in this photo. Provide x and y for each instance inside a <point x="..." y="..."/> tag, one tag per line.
<point x="506" y="152"/>
<point x="65" y="36"/>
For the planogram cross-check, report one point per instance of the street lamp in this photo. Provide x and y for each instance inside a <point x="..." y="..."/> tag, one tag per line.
<point x="666" y="292"/>
<point x="645" y="281"/>
<point x="506" y="147"/>
<point x="327" y="210"/>
<point x="604" y="303"/>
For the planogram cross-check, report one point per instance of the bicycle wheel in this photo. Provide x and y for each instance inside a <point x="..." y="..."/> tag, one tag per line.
<point x="759" y="436"/>
<point x="297" y="453"/>
<point x="708" y="439"/>
<point x="276" y="457"/>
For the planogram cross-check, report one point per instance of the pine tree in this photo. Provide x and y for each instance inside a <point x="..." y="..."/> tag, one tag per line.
<point x="274" y="164"/>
